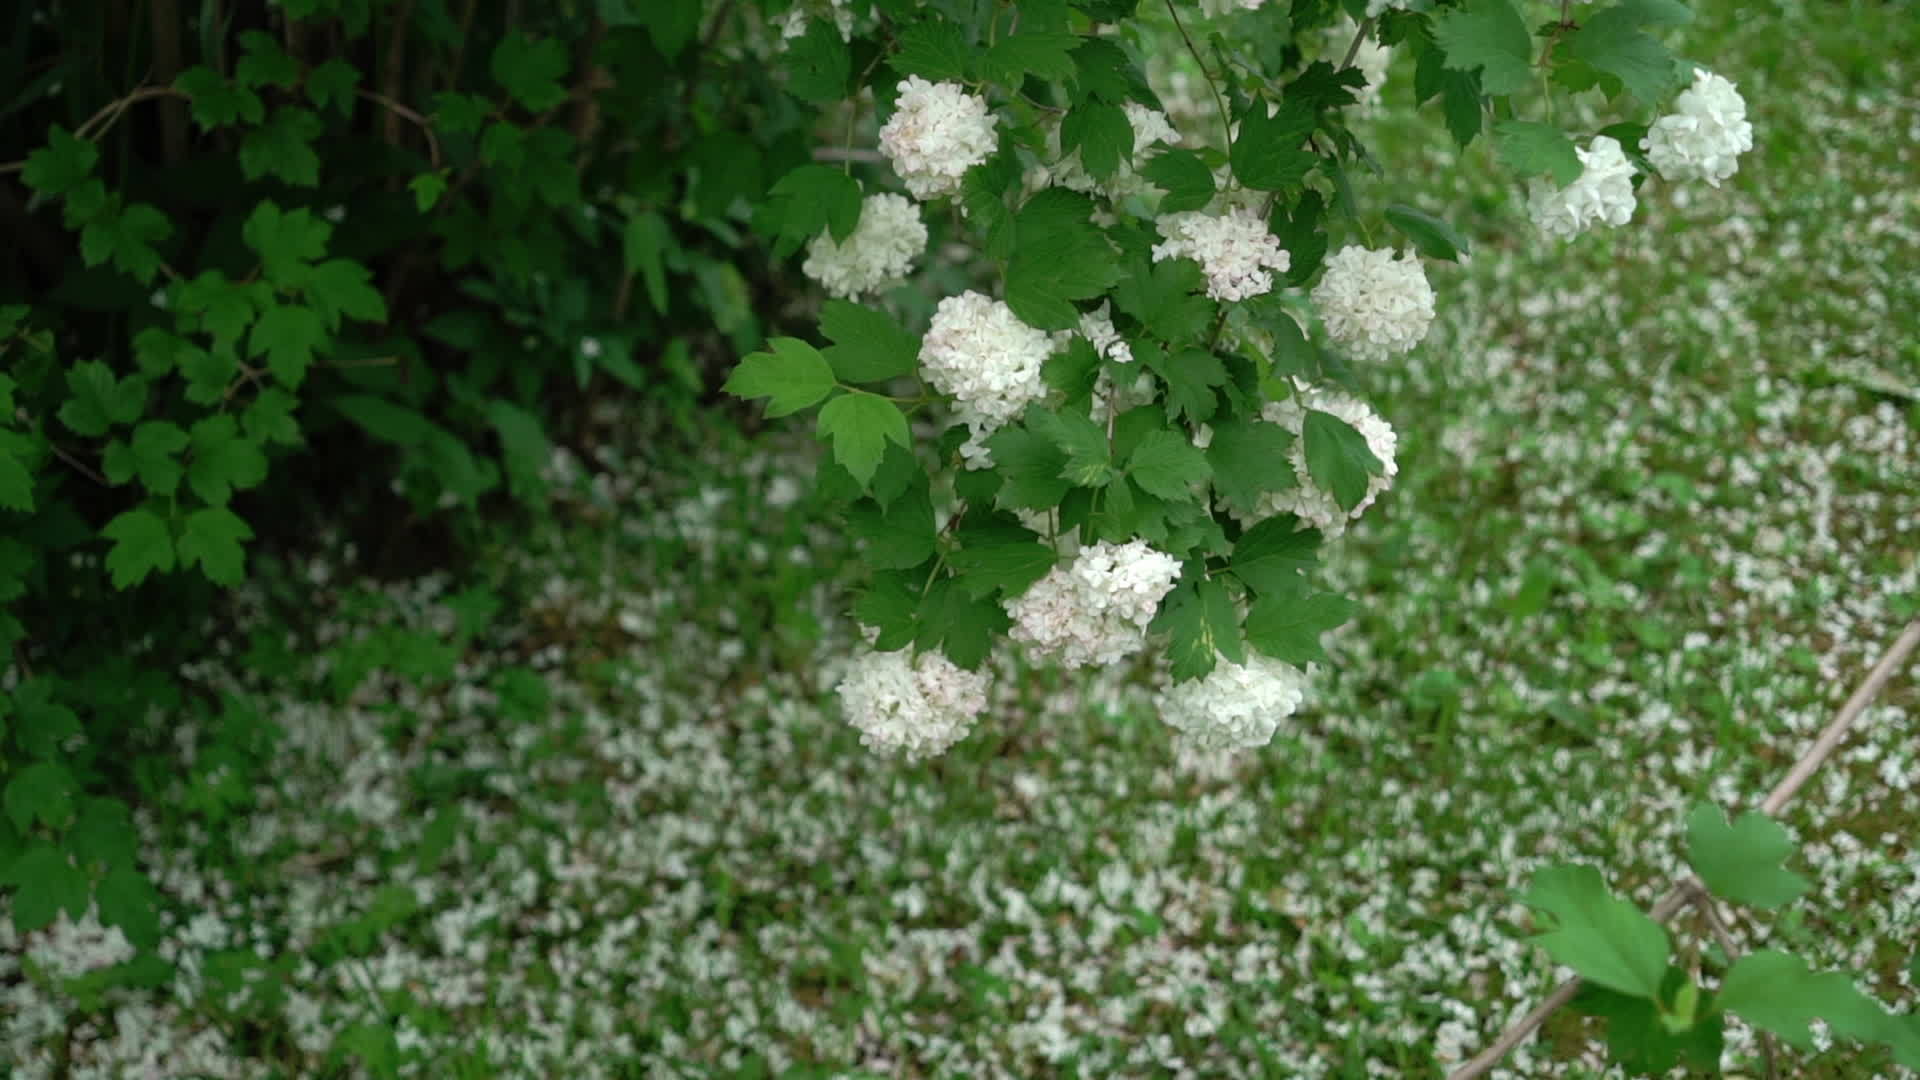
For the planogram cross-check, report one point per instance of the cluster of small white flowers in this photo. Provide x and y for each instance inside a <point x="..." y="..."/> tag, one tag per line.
<point x="937" y="132"/>
<point x="1315" y="507"/>
<point x="880" y="252"/>
<point x="915" y="707"/>
<point x="1234" y="249"/>
<point x="980" y="353"/>
<point x="794" y="22"/>
<point x="1373" y="303"/>
<point x="1214" y="8"/>
<point x="1603" y="192"/>
<point x="1705" y="135"/>
<point x="1097" y="327"/>
<point x="1095" y="610"/>
<point x="69" y="949"/>
<point x="1236" y="706"/>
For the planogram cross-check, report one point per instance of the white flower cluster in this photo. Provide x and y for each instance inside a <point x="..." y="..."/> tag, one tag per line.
<point x="1317" y="508"/>
<point x="67" y="949"/>
<point x="794" y="22"/>
<point x="1095" y="610"/>
<point x="1603" y="192"/>
<point x="980" y="353"/>
<point x="1373" y="303"/>
<point x="1097" y="327"/>
<point x="1150" y="126"/>
<point x="915" y="707"/>
<point x="1705" y="135"/>
<point x="1234" y="249"/>
<point x="880" y="252"/>
<point x="937" y="132"/>
<point x="1236" y="706"/>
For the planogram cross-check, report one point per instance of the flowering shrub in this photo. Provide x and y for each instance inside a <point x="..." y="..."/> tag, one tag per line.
<point x="1148" y="432"/>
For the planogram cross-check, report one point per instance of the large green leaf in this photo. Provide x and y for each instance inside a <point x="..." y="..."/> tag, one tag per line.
<point x="869" y="345"/>
<point x="1490" y="36"/>
<point x="1338" y="458"/>
<point x="1268" y="154"/>
<point x="1605" y="939"/>
<point x="792" y="376"/>
<point x="1741" y="861"/>
<point x="860" y="427"/>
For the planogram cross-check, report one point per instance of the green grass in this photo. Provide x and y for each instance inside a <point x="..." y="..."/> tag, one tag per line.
<point x="586" y="809"/>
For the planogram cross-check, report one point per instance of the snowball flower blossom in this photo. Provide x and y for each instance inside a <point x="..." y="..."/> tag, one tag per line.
<point x="1095" y="610"/>
<point x="1373" y="303"/>
<point x="1236" y="706"/>
<point x="878" y="254"/>
<point x="1097" y="327"/>
<point x="913" y="707"/>
<point x="1603" y="192"/>
<point x="937" y="132"/>
<point x="1234" y="249"/>
<point x="980" y="353"/>
<point x="1315" y="507"/>
<point x="794" y="23"/>
<point x="1705" y="135"/>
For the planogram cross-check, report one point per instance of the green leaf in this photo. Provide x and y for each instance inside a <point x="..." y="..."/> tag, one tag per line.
<point x="1286" y="623"/>
<point x="1102" y="134"/>
<point x="523" y="445"/>
<point x="1777" y="992"/>
<point x="104" y="833"/>
<point x="962" y="625"/>
<point x="287" y="243"/>
<point x="869" y="346"/>
<point x="935" y="50"/>
<point x="1102" y="70"/>
<point x="385" y="420"/>
<point x="288" y="335"/>
<point x="1001" y="555"/>
<point x="1167" y="465"/>
<point x="1488" y="35"/>
<point x="1249" y="458"/>
<point x="218" y="102"/>
<point x="1082" y="441"/>
<point x="126" y="238"/>
<point x="224" y="461"/>
<point x="1163" y="296"/>
<point x="1190" y="635"/>
<point x="60" y="166"/>
<point x="427" y="189"/>
<point x="99" y="400"/>
<point x="1338" y="458"/>
<point x="813" y="198"/>
<point x="1741" y="862"/>
<point x="212" y="538"/>
<point x="1057" y="258"/>
<point x="142" y="544"/>
<point x="887" y="604"/>
<point x="861" y="425"/>
<point x="530" y="68"/>
<point x="818" y="64"/>
<point x="155" y="456"/>
<point x="1191" y="376"/>
<point x="1042" y="55"/>
<point x="1605" y="939"/>
<point x="265" y="62"/>
<point x="1530" y="148"/>
<point x="673" y="24"/>
<point x="16" y="478"/>
<point x="898" y="536"/>
<point x="128" y="900"/>
<point x="1268" y="155"/>
<point x="46" y="882"/>
<point x="646" y="244"/>
<point x="1032" y="466"/>
<point x="1431" y="236"/>
<point x="270" y="418"/>
<point x="791" y="377"/>
<point x="283" y="147"/>
<point x="1610" y="41"/>
<point x="331" y="85"/>
<point x="343" y="288"/>
<point x="1187" y="181"/>
<point x="1271" y="557"/>
<point x="41" y="791"/>
<point x="1638" y="1037"/>
<point x="1656" y="12"/>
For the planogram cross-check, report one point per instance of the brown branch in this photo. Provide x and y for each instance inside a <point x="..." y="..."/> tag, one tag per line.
<point x="1822" y="748"/>
<point x="164" y="16"/>
<point x="1359" y="36"/>
<point x="399" y="110"/>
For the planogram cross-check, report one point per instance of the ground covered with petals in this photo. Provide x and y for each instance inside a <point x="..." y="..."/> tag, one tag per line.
<point x="591" y="809"/>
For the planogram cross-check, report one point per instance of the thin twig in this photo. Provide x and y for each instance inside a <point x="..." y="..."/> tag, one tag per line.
<point x="1226" y="121"/>
<point x="1822" y="748"/>
<point x="1703" y="902"/>
<point x="394" y="107"/>
<point x="1359" y="36"/>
